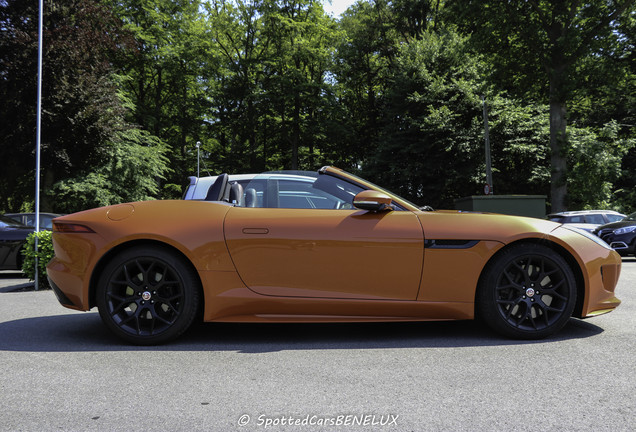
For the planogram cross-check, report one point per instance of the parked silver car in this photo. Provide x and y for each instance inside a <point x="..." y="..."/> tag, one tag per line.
<point x="587" y="220"/>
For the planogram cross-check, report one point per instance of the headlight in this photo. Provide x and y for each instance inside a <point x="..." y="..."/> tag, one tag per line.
<point x="590" y="236"/>
<point x="625" y="230"/>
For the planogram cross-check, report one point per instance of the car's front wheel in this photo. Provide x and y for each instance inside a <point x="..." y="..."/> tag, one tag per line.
<point x="147" y="295"/>
<point x="527" y="292"/>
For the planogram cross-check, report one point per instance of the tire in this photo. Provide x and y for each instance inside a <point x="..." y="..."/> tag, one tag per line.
<point x="148" y="295"/>
<point x="527" y="292"/>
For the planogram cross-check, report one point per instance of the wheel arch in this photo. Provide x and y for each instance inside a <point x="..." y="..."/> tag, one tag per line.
<point x="564" y="253"/>
<point x="108" y="256"/>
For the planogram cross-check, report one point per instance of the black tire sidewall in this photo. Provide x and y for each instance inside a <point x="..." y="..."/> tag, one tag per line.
<point x="487" y="308"/>
<point x="189" y="282"/>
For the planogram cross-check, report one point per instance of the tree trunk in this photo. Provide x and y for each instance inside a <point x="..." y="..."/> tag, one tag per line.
<point x="296" y="132"/>
<point x="251" y="138"/>
<point x="157" y="102"/>
<point x="558" y="158"/>
<point x="558" y="139"/>
<point x="47" y="202"/>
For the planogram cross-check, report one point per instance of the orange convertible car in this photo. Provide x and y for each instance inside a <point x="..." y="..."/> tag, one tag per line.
<point x="325" y="246"/>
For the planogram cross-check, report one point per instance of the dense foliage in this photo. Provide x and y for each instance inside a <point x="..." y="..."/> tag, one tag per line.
<point x="88" y="146"/>
<point x="392" y="90"/>
<point x="44" y="255"/>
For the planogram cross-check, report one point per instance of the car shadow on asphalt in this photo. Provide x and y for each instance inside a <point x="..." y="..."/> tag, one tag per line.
<point x="14" y="281"/>
<point x="82" y="332"/>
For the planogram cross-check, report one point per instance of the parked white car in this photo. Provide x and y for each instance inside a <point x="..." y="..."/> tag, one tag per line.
<point x="587" y="220"/>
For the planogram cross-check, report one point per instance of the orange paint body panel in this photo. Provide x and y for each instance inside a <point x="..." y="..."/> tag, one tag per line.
<point x="319" y="264"/>
<point x="314" y="253"/>
<point x="199" y="237"/>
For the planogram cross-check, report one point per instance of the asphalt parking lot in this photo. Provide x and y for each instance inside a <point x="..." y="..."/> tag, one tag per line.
<point x="62" y="370"/>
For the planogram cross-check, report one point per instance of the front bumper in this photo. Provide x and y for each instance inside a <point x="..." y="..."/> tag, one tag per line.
<point x="624" y="244"/>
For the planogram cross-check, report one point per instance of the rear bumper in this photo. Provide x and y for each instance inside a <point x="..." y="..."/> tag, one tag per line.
<point x="71" y="295"/>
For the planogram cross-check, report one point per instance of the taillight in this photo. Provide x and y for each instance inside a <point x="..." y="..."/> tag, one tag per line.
<point x="71" y="228"/>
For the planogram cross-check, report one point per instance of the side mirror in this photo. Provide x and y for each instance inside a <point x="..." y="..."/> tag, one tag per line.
<point x="372" y="201"/>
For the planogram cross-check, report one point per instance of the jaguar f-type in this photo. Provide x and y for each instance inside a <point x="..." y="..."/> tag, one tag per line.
<point x="323" y="246"/>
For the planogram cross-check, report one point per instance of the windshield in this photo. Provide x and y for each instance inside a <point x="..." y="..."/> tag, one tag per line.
<point x="631" y="217"/>
<point x="381" y="189"/>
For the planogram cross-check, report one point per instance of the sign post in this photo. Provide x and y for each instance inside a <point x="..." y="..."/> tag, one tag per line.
<point x="38" y="127"/>
<point x="488" y="187"/>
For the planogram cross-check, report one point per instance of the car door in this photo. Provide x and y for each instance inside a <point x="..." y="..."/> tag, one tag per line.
<point x="323" y="248"/>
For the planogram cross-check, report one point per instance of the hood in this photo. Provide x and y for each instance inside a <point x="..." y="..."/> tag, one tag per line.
<point x="482" y="226"/>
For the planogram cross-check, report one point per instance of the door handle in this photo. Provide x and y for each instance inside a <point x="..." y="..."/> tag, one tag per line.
<point x="255" y="231"/>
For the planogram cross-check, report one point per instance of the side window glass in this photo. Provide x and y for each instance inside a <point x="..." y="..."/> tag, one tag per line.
<point x="47" y="223"/>
<point x="302" y="194"/>
<point x="300" y="190"/>
<point x="254" y="193"/>
<point x="594" y="219"/>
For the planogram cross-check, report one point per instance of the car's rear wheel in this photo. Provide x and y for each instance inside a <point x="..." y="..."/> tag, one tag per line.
<point x="527" y="292"/>
<point x="148" y="295"/>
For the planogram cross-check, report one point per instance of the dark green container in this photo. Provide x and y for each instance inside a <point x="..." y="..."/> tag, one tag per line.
<point x="518" y="205"/>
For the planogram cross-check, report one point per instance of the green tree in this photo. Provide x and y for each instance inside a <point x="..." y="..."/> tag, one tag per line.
<point x="362" y="68"/>
<point x="267" y="83"/>
<point x="162" y="75"/>
<point x="300" y="36"/>
<point x="520" y="136"/>
<point x="79" y="98"/>
<point x="234" y="71"/>
<point x="537" y="47"/>
<point x="595" y="161"/>
<point x="136" y="161"/>
<point x="83" y="114"/>
<point x="429" y="147"/>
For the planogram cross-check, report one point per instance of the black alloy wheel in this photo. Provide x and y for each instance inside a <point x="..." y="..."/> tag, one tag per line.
<point x="527" y="292"/>
<point x="148" y="295"/>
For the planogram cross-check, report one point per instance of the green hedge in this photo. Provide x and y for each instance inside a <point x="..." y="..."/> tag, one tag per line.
<point x="45" y="254"/>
